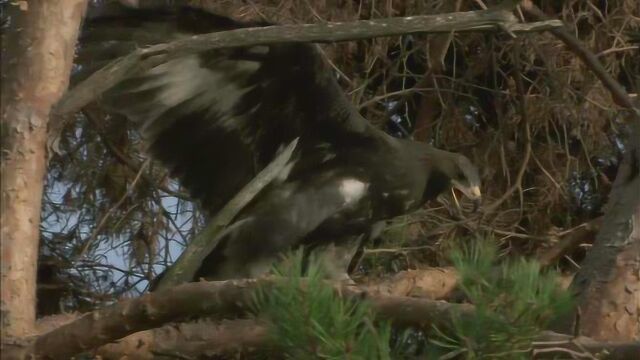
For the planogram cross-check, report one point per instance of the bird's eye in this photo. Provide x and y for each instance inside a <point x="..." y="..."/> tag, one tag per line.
<point x="460" y="175"/>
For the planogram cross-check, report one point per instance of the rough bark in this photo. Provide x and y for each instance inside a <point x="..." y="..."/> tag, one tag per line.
<point x="243" y="338"/>
<point x="240" y="338"/>
<point x="227" y="299"/>
<point x="230" y="299"/>
<point x="226" y="339"/>
<point x="430" y="283"/>
<point x="36" y="65"/>
<point x="608" y="282"/>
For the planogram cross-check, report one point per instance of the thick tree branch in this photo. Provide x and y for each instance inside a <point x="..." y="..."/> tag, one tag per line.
<point x="230" y="339"/>
<point x="608" y="282"/>
<point x="431" y="283"/>
<point x="485" y="20"/>
<point x="217" y="299"/>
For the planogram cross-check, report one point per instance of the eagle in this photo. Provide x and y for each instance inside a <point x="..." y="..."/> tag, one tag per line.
<point x="218" y="117"/>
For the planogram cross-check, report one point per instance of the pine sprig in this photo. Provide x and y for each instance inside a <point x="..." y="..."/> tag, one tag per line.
<point x="310" y="321"/>
<point x="514" y="302"/>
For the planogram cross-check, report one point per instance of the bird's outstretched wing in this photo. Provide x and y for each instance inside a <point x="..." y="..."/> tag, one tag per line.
<point x="216" y="118"/>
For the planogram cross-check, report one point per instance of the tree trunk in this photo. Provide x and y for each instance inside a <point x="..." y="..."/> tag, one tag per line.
<point x="35" y="66"/>
<point x="608" y="282"/>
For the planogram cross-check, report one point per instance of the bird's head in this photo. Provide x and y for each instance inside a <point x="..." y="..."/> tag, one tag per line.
<point x="452" y="169"/>
<point x="464" y="177"/>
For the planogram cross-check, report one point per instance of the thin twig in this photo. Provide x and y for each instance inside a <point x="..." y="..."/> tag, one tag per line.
<point x="127" y="160"/>
<point x="522" y="107"/>
<point x="590" y="60"/>
<point x="94" y="234"/>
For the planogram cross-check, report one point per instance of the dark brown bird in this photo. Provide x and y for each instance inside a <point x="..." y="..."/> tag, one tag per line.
<point x="216" y="118"/>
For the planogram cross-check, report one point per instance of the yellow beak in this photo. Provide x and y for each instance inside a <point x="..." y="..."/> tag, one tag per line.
<point x="473" y="193"/>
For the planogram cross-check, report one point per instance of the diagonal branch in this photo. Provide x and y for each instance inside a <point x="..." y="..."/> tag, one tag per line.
<point x="484" y="20"/>
<point x="187" y="264"/>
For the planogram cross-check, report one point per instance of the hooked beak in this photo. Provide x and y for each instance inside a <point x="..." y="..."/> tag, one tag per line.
<point x="472" y="192"/>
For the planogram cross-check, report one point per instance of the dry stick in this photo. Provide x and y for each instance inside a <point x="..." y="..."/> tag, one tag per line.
<point x="522" y="107"/>
<point x="551" y="345"/>
<point x="102" y="80"/>
<point x="127" y="161"/>
<point x="583" y="234"/>
<point x="189" y="261"/>
<point x="220" y="299"/>
<point x="430" y="104"/>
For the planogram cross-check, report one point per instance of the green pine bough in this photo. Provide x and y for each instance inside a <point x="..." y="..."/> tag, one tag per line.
<point x="514" y="300"/>
<point x="309" y="320"/>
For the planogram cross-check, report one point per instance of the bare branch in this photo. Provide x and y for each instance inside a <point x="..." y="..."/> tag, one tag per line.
<point x="224" y="339"/>
<point x="218" y="299"/>
<point x="102" y="80"/>
<point x="229" y="338"/>
<point x="232" y="337"/>
<point x="608" y="282"/>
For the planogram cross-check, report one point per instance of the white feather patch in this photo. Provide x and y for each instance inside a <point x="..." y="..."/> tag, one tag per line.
<point x="352" y="190"/>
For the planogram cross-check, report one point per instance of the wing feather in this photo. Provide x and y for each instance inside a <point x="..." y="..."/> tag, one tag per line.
<point x="216" y="118"/>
